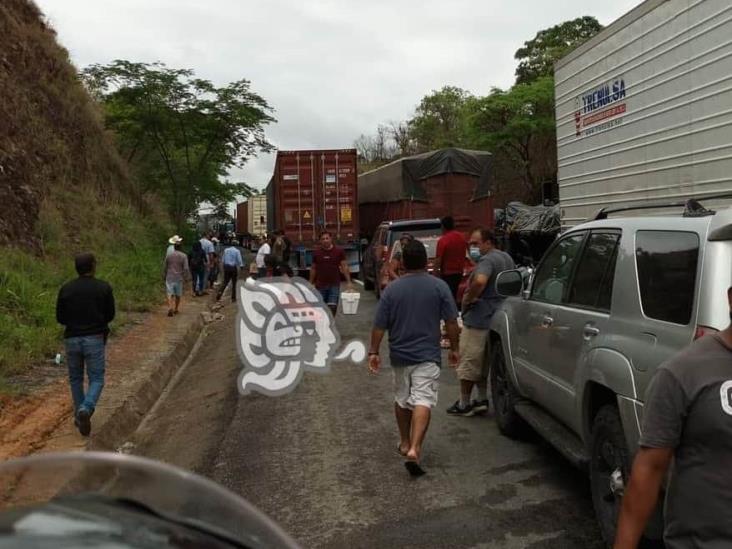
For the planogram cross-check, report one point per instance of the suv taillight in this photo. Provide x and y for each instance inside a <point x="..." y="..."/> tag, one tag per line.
<point x="701" y="331"/>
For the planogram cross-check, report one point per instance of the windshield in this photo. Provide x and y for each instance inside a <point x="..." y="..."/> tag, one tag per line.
<point x="72" y="495"/>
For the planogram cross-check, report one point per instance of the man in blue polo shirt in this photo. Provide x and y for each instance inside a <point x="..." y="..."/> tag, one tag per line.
<point x="411" y="309"/>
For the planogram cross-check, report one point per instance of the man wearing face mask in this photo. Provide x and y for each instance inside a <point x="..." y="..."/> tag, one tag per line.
<point x="687" y="421"/>
<point x="480" y="302"/>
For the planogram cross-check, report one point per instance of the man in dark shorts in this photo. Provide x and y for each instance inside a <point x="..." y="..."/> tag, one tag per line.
<point x="325" y="273"/>
<point x="85" y="307"/>
<point x="687" y="418"/>
<point x="411" y="309"/>
<point x="450" y="260"/>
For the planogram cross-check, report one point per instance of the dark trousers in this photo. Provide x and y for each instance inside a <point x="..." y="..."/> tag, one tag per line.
<point x="453" y="281"/>
<point x="231" y="274"/>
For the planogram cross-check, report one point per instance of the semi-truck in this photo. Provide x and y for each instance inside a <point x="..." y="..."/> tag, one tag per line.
<point x="644" y="111"/>
<point x="312" y="191"/>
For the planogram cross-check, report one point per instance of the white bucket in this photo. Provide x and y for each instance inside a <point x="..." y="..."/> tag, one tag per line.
<point x="349" y="301"/>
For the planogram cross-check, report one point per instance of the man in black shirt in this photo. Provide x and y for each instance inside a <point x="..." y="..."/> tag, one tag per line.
<point x="85" y="307"/>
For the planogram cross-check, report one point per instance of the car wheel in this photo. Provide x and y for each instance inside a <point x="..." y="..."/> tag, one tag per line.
<point x="504" y="396"/>
<point x="609" y="469"/>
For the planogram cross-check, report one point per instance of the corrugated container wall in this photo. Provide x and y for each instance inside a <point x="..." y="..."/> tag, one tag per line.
<point x="257" y="213"/>
<point x="644" y="109"/>
<point x="314" y="190"/>
<point x="242" y="218"/>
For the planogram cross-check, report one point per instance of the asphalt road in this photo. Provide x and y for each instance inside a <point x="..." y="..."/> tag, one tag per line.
<point x="322" y="460"/>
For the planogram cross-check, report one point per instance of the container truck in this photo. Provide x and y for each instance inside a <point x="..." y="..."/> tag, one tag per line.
<point x="644" y="111"/>
<point x="430" y="185"/>
<point x="257" y="215"/>
<point x="242" y="218"/>
<point x="312" y="191"/>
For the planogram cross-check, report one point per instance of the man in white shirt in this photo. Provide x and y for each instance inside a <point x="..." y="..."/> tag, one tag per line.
<point x="264" y="250"/>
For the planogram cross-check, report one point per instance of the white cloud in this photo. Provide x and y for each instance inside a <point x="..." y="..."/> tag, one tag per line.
<point x="333" y="69"/>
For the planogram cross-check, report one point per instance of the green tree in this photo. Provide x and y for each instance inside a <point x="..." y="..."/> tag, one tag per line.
<point x="182" y="132"/>
<point x="538" y="55"/>
<point x="439" y="120"/>
<point x="519" y="123"/>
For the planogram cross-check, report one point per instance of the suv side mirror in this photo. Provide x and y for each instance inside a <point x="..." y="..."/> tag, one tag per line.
<point x="509" y="283"/>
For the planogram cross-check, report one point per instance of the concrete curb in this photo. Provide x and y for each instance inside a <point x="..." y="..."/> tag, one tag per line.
<point x="115" y="427"/>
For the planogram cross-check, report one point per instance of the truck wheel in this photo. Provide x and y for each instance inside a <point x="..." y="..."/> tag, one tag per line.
<point x="609" y="469"/>
<point x="504" y="395"/>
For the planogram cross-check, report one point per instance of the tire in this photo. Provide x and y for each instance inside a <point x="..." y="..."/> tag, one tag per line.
<point x="505" y="396"/>
<point x="609" y="453"/>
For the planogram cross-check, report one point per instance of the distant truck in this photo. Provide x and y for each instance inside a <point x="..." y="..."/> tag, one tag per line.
<point x="644" y="110"/>
<point x="242" y="218"/>
<point x="430" y="185"/>
<point x="257" y="215"/>
<point x="312" y="191"/>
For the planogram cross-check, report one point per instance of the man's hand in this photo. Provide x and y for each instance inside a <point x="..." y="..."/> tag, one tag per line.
<point x="374" y="364"/>
<point x="453" y="357"/>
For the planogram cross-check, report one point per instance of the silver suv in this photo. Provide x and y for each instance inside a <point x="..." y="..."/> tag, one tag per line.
<point x="574" y="349"/>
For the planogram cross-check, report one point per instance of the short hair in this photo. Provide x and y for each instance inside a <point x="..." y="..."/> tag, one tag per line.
<point x="326" y="233"/>
<point x="448" y="222"/>
<point x="414" y="255"/>
<point x="486" y="235"/>
<point x="85" y="263"/>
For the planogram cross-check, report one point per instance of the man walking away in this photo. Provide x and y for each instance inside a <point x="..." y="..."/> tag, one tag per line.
<point x="480" y="302"/>
<point x="410" y="309"/>
<point x="264" y="250"/>
<point x="687" y="418"/>
<point x="325" y="273"/>
<point x="198" y="262"/>
<point x="232" y="261"/>
<point x="450" y="260"/>
<point x="176" y="269"/>
<point x="85" y="307"/>
<point x="209" y="248"/>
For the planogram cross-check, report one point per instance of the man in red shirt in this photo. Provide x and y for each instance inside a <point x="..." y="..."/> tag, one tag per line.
<point x="325" y="273"/>
<point x="450" y="259"/>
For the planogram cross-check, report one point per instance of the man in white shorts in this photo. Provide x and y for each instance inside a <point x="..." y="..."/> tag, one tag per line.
<point x="411" y="309"/>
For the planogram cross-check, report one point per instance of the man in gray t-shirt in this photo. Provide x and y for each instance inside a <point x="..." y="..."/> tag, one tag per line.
<point x="480" y="302"/>
<point x="410" y="309"/>
<point x="687" y="416"/>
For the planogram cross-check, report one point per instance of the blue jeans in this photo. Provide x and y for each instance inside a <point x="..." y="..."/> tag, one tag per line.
<point x="85" y="351"/>
<point x="330" y="295"/>
<point x="199" y="280"/>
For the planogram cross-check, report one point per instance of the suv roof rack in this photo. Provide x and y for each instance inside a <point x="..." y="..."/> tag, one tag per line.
<point x="692" y="207"/>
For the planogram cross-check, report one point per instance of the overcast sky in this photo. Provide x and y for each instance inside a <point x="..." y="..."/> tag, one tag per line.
<point x="332" y="69"/>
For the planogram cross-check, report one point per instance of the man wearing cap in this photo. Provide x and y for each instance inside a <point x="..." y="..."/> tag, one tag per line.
<point x="176" y="268"/>
<point x="687" y="420"/>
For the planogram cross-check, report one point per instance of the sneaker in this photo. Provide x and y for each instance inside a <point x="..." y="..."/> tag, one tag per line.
<point x="480" y="406"/>
<point x="457" y="410"/>
<point x="84" y="423"/>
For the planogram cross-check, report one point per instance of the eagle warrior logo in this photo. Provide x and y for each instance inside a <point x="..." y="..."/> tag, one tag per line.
<point x="284" y="329"/>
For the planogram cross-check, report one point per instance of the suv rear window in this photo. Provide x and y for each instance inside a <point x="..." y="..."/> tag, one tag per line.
<point x="667" y="265"/>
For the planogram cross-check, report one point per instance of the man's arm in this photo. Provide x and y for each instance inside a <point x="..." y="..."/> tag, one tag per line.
<point x="312" y="273"/>
<point x="453" y="334"/>
<point x="474" y="291"/>
<point x="377" y="334"/>
<point x="641" y="496"/>
<point x="60" y="309"/>
<point x="346" y="272"/>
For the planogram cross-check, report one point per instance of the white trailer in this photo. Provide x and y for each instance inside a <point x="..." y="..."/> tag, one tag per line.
<point x="644" y="110"/>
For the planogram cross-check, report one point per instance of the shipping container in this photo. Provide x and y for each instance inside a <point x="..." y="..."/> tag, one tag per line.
<point x="452" y="181"/>
<point x="312" y="191"/>
<point x="242" y="218"/>
<point x="257" y="215"/>
<point x="644" y="110"/>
